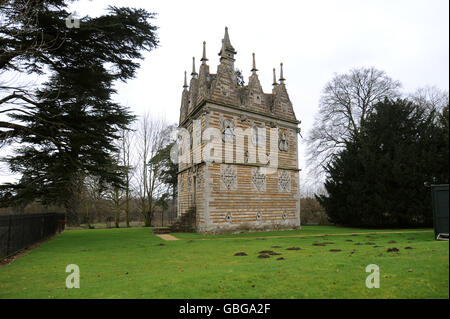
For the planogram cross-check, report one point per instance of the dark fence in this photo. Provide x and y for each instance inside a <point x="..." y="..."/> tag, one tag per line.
<point x="18" y="231"/>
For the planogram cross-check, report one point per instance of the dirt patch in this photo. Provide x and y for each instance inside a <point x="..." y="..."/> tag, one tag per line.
<point x="274" y="253"/>
<point x="392" y="242"/>
<point x="240" y="254"/>
<point x="370" y="243"/>
<point x="357" y="244"/>
<point x="408" y="247"/>
<point x="265" y="252"/>
<point x="280" y="258"/>
<point x="160" y="244"/>
<point x="263" y="256"/>
<point x="167" y="237"/>
<point x="394" y="249"/>
<point x="349" y="240"/>
<point x="276" y="246"/>
<point x="335" y="250"/>
<point x="318" y="244"/>
<point x="328" y="243"/>
<point x="295" y="248"/>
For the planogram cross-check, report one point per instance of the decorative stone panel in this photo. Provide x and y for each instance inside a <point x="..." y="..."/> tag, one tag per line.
<point x="258" y="179"/>
<point x="284" y="181"/>
<point x="228" y="176"/>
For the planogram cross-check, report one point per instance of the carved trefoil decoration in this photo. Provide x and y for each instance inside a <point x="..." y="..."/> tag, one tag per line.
<point x="284" y="181"/>
<point x="228" y="176"/>
<point x="258" y="179"/>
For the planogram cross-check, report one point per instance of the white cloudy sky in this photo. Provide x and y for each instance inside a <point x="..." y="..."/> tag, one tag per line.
<point x="314" y="39"/>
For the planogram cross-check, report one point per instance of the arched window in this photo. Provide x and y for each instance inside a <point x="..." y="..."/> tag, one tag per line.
<point x="227" y="133"/>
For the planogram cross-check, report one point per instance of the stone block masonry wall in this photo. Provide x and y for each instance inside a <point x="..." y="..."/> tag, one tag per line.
<point x="242" y="199"/>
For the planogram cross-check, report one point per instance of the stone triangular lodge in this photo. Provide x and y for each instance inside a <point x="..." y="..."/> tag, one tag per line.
<point x="230" y="196"/>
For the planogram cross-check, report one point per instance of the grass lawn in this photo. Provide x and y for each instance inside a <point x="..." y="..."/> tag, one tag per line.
<point x="130" y="263"/>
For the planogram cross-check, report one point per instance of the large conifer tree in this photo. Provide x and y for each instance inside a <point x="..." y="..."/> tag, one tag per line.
<point x="67" y="130"/>
<point x="378" y="180"/>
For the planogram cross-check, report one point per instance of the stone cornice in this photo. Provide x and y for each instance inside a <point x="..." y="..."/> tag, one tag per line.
<point x="237" y="109"/>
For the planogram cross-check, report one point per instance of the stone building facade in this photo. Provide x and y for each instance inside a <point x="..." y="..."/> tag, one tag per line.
<point x="252" y="180"/>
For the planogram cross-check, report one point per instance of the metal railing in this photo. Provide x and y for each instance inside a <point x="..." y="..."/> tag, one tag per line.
<point x="18" y="231"/>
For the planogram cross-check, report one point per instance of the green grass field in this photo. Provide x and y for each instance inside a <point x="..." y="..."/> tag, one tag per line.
<point x="130" y="263"/>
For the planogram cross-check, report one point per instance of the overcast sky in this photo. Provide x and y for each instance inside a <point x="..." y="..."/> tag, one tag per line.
<point x="314" y="39"/>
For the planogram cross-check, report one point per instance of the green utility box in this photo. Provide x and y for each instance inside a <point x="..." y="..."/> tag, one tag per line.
<point x="439" y="195"/>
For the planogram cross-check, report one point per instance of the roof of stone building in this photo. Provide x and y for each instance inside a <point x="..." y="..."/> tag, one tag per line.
<point x="222" y="88"/>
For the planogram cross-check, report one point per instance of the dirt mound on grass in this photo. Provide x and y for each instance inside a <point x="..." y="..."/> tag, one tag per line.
<point x="394" y="249"/>
<point x="240" y="254"/>
<point x="293" y="248"/>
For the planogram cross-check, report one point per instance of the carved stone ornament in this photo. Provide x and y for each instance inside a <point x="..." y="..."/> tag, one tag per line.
<point x="284" y="181"/>
<point x="258" y="179"/>
<point x="228" y="176"/>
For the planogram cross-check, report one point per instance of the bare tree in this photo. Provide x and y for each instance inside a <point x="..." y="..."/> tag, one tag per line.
<point x="150" y="139"/>
<point x="344" y="105"/>
<point x="431" y="98"/>
<point x="92" y="193"/>
<point x="127" y="167"/>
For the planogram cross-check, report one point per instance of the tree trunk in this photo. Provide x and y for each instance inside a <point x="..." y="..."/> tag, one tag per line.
<point x="117" y="206"/>
<point x="72" y="213"/>
<point x="87" y="214"/>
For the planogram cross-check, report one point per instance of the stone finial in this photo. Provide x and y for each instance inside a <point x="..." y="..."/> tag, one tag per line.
<point x="204" y="59"/>
<point x="226" y="45"/>
<point x="274" y="78"/>
<point x="254" y="69"/>
<point x="185" y="81"/>
<point x="226" y="40"/>
<point x="193" y="67"/>
<point x="282" y="79"/>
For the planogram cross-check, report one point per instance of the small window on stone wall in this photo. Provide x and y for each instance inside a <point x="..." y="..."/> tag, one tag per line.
<point x="258" y="216"/>
<point x="228" y="218"/>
